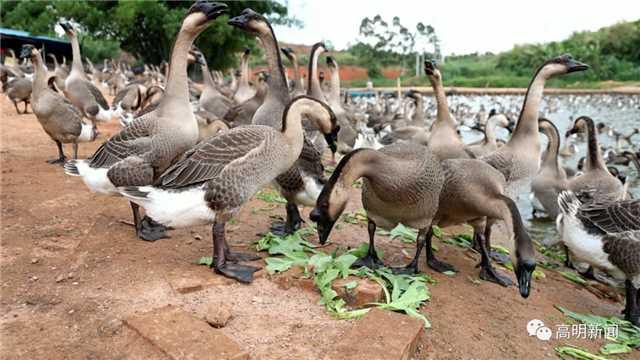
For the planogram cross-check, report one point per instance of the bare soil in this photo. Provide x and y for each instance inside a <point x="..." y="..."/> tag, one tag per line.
<point x="71" y="271"/>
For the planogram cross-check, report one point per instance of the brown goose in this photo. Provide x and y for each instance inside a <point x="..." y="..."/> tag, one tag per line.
<point x="301" y="184"/>
<point x="59" y="72"/>
<point x="18" y="90"/>
<point x="596" y="178"/>
<point x="298" y="86"/>
<point x="552" y="179"/>
<point x="489" y="144"/>
<point x="140" y="152"/>
<point x="519" y="159"/>
<point x="215" y="178"/>
<point x="242" y="114"/>
<point x="77" y="88"/>
<point x="347" y="134"/>
<point x="211" y="100"/>
<point x="607" y="236"/>
<point x="444" y="140"/>
<point x="57" y="116"/>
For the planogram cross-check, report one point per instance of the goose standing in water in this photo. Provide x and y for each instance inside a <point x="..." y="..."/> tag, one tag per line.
<point x="607" y="236"/>
<point x="552" y="179"/>
<point x="57" y="116"/>
<point x="596" y="178"/>
<point x="140" y="152"/>
<point x="214" y="179"/>
<point x="82" y="92"/>
<point x="302" y="183"/>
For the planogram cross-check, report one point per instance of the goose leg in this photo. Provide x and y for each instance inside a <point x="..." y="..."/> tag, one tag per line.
<point x="75" y="151"/>
<point x="25" y="107"/>
<point x="435" y="264"/>
<point x="15" y="104"/>
<point x="496" y="256"/>
<point x="632" y="308"/>
<point x="412" y="267"/>
<point x="242" y="273"/>
<point x="236" y="256"/>
<point x="370" y="260"/>
<point x="146" y="228"/>
<point x="293" y="223"/>
<point x="61" y="158"/>
<point x="488" y="272"/>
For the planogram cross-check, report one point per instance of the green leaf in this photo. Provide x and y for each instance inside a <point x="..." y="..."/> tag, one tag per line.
<point x="406" y="234"/>
<point x="205" y="260"/>
<point x="271" y="197"/>
<point x="578" y="353"/>
<point x="573" y="277"/>
<point x="611" y="349"/>
<point x="437" y="231"/>
<point x="351" y="285"/>
<point x="275" y="264"/>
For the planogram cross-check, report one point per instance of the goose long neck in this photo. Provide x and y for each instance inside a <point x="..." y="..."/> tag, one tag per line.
<point x="443" y="116"/>
<point x="360" y="164"/>
<point x="594" y="159"/>
<point x="334" y="92"/>
<point x="550" y="159"/>
<point x="296" y="73"/>
<point x="277" y="81"/>
<point x="77" y="58"/>
<point x="55" y="63"/>
<point x="40" y="77"/>
<point x="419" y="113"/>
<point x="313" y="86"/>
<point x="489" y="131"/>
<point x="206" y="76"/>
<point x="244" y="75"/>
<point x="177" y="91"/>
<point x="527" y="126"/>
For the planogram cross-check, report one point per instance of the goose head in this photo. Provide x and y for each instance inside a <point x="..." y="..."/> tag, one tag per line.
<point x="250" y="21"/>
<point x="197" y="56"/>
<point x="200" y="14"/>
<point x="580" y="125"/>
<point x="68" y="28"/>
<point x="29" y="52"/>
<point x="289" y="53"/>
<point x="563" y="64"/>
<point x="431" y="69"/>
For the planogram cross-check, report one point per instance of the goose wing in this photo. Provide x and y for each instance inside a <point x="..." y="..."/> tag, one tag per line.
<point x="501" y="162"/>
<point x="132" y="140"/>
<point x="613" y="217"/>
<point x="69" y="114"/>
<point x="210" y="157"/>
<point x="97" y="95"/>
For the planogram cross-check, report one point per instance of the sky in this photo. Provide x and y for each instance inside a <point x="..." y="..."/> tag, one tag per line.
<point x="463" y="26"/>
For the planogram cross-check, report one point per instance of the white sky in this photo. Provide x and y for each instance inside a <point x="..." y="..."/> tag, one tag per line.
<point x="463" y="26"/>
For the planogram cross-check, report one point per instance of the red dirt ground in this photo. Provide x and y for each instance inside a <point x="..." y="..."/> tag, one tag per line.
<point x="54" y="229"/>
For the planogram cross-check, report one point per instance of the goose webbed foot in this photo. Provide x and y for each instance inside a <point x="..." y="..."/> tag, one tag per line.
<point x="499" y="257"/>
<point x="236" y="256"/>
<point x="239" y="272"/>
<point x="589" y="275"/>
<point x="291" y="225"/>
<point x="57" y="161"/>
<point x="150" y="230"/>
<point x="410" y="269"/>
<point x="370" y="260"/>
<point x="440" y="266"/>
<point x="489" y="273"/>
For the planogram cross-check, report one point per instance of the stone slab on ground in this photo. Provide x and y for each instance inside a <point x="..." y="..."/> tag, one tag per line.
<point x="180" y="335"/>
<point x="293" y="277"/>
<point x="380" y="334"/>
<point x="365" y="292"/>
<point x="192" y="278"/>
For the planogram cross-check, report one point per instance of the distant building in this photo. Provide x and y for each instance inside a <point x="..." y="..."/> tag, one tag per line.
<point x="14" y="39"/>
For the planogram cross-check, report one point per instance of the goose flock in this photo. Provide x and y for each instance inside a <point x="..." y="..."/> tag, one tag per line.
<point x="192" y="154"/>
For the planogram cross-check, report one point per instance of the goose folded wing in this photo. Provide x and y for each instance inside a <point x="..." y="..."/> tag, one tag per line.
<point x="135" y="139"/>
<point x="613" y="217"/>
<point x="501" y="162"/>
<point x="210" y="157"/>
<point x="97" y="95"/>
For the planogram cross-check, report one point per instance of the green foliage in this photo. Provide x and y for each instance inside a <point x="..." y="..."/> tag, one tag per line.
<point x="271" y="197"/>
<point x="145" y="29"/>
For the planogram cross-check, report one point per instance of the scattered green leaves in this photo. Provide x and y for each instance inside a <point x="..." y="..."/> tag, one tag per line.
<point x="271" y="197"/>
<point x="577" y="353"/>
<point x="406" y="234"/>
<point x="461" y="240"/>
<point x="358" y="217"/>
<point x="573" y="277"/>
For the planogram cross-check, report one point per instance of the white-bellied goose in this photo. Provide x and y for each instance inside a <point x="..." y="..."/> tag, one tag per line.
<point x="301" y="184"/>
<point x="57" y="116"/>
<point x="596" y="178"/>
<point x="77" y="87"/>
<point x="552" y="179"/>
<point x="444" y="140"/>
<point x="139" y="153"/>
<point x="215" y="178"/>
<point x="607" y="236"/>
<point x="244" y="92"/>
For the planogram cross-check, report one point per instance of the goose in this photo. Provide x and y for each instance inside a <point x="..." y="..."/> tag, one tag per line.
<point x="347" y="134"/>
<point x="444" y="140"/>
<point x="302" y="183"/>
<point x="596" y="178"/>
<point x="489" y="143"/>
<point x="79" y="90"/>
<point x="418" y="118"/>
<point x="242" y="114"/>
<point x="298" y="86"/>
<point x="19" y="90"/>
<point x="127" y="101"/>
<point x="314" y="89"/>
<point x="519" y="159"/>
<point x="551" y="179"/>
<point x="211" y="100"/>
<point x="140" y="152"/>
<point x="244" y="92"/>
<point x="57" y="116"/>
<point x="408" y="184"/>
<point x="415" y="134"/>
<point x="568" y="150"/>
<point x="59" y="72"/>
<point x="624" y="158"/>
<point x="607" y="236"/>
<point x="211" y="182"/>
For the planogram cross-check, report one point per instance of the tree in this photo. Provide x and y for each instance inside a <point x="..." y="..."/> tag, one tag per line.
<point x="145" y="29"/>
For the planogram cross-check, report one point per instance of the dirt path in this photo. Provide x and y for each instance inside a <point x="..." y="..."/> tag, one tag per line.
<point x="71" y="271"/>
